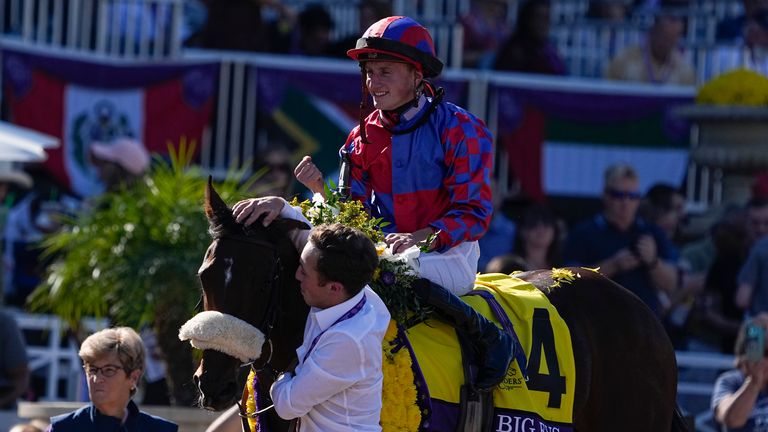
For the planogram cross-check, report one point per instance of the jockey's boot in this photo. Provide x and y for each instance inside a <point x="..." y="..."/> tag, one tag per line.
<point x="493" y="345"/>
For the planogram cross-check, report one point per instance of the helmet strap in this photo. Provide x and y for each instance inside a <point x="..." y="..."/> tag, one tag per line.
<point x="417" y="92"/>
<point x="437" y="97"/>
<point x="363" y="105"/>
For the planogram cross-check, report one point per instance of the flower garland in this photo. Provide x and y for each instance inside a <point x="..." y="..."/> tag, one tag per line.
<point x="250" y="402"/>
<point x="736" y="87"/>
<point x="399" y="410"/>
<point x="393" y="277"/>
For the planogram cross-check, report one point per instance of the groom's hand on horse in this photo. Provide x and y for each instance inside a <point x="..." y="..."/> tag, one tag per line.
<point x="250" y="210"/>
<point x="308" y="174"/>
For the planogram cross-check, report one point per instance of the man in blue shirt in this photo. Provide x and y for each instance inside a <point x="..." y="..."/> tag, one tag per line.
<point x="626" y="248"/>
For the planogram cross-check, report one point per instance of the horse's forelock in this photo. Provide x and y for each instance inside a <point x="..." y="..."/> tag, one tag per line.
<point x="222" y="221"/>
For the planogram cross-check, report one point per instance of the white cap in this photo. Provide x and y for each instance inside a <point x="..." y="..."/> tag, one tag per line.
<point x="128" y="153"/>
<point x="10" y="174"/>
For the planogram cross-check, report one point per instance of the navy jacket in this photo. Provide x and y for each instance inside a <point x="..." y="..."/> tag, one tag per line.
<point x="88" y="419"/>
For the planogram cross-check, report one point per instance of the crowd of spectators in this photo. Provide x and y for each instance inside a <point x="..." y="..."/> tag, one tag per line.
<point x="496" y="36"/>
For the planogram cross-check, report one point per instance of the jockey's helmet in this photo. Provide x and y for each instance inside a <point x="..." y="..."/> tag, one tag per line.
<point x="400" y="39"/>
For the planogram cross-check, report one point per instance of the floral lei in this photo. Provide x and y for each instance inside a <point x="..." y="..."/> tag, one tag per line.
<point x="251" y="405"/>
<point x="393" y="277"/>
<point x="399" y="407"/>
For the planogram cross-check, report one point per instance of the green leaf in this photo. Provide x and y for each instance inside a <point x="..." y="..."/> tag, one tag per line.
<point x="136" y="250"/>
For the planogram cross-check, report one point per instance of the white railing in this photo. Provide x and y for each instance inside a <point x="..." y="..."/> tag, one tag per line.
<point x="52" y="353"/>
<point x="690" y="363"/>
<point x="141" y="29"/>
<point x="588" y="47"/>
<point x="146" y="29"/>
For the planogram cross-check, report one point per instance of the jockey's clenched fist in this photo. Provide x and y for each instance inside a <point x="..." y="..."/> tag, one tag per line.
<point x="308" y="174"/>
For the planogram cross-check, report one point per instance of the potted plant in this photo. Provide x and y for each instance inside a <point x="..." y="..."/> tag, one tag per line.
<point x="132" y="256"/>
<point x="728" y="140"/>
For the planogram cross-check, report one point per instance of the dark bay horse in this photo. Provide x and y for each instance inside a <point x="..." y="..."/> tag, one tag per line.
<point x="626" y="372"/>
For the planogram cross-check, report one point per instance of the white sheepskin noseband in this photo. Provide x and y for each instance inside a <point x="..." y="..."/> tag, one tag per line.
<point x="225" y="333"/>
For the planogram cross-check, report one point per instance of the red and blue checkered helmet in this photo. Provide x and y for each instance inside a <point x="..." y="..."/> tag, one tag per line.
<point x="398" y="38"/>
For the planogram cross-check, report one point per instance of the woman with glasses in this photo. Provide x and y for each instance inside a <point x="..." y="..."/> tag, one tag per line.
<point x="113" y="360"/>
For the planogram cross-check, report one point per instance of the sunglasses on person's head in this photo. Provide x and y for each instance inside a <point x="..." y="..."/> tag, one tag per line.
<point x="619" y="194"/>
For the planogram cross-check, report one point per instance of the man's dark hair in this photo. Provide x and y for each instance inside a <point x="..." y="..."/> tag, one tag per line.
<point x="662" y="195"/>
<point x="345" y="255"/>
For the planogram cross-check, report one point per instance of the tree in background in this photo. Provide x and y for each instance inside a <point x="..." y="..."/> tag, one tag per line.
<point x="132" y="257"/>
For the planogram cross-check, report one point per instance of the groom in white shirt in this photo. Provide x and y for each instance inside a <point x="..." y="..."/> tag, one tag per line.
<point x="337" y="383"/>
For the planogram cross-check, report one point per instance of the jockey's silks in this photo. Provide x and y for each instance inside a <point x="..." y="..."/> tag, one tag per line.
<point x="436" y="175"/>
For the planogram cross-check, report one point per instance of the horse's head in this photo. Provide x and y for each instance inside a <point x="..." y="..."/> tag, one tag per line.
<point x="247" y="277"/>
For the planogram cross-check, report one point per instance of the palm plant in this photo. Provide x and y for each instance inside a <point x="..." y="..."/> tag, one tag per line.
<point x="132" y="257"/>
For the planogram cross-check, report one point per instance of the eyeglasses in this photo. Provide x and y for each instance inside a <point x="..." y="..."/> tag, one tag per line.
<point x="619" y="194"/>
<point x="107" y="371"/>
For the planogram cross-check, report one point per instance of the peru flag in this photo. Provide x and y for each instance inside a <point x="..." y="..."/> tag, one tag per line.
<point x="82" y="101"/>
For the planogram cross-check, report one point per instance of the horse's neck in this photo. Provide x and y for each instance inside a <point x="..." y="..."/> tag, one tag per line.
<point x="289" y="334"/>
<point x="289" y="328"/>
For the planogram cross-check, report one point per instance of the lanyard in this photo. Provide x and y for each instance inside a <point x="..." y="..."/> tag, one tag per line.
<point x="349" y="314"/>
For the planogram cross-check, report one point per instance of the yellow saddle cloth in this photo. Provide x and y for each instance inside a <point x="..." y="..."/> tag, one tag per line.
<point x="545" y="401"/>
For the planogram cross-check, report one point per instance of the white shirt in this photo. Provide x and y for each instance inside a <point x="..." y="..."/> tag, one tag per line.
<point x="338" y="387"/>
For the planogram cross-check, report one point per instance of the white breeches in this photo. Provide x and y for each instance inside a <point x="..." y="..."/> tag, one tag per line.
<point x="454" y="269"/>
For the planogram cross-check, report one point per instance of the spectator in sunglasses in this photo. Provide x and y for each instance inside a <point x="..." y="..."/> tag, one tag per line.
<point x="626" y="248"/>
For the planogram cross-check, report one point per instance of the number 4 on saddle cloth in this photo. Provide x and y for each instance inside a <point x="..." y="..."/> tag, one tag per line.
<point x="542" y="402"/>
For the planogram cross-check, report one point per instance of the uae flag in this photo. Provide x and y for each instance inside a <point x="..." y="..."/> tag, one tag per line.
<point x="82" y="101"/>
<point x="560" y="137"/>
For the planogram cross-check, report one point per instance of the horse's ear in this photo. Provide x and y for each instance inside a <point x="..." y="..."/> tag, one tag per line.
<point x="213" y="203"/>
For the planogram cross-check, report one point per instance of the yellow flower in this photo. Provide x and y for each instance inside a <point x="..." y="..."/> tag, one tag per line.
<point x="250" y="402"/>
<point x="561" y="276"/>
<point x="399" y="409"/>
<point x="736" y="87"/>
<point x="413" y="418"/>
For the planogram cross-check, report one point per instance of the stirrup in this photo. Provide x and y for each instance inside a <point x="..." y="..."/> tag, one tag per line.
<point x="476" y="410"/>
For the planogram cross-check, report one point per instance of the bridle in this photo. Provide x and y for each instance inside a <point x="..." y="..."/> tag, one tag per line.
<point x="267" y="323"/>
<point x="269" y="319"/>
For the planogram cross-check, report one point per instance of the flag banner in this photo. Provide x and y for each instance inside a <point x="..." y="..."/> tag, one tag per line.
<point x="318" y="108"/>
<point x="86" y="101"/>
<point x="561" y="137"/>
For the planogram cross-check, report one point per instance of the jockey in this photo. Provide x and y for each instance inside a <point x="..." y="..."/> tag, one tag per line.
<point x="424" y="166"/>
